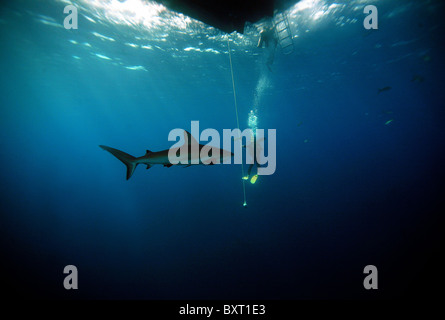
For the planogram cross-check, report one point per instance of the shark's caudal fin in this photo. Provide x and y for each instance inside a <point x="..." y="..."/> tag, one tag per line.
<point x="127" y="159"/>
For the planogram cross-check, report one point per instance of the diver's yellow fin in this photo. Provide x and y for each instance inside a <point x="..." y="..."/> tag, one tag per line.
<point x="253" y="180"/>
<point x="246" y="178"/>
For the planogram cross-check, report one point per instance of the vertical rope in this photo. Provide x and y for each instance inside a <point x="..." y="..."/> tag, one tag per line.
<point x="237" y="118"/>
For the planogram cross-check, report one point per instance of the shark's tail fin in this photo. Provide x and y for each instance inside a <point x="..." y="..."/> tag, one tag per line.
<point x="127" y="159"/>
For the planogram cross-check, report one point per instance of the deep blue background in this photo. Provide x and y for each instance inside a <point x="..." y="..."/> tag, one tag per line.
<point x="357" y="192"/>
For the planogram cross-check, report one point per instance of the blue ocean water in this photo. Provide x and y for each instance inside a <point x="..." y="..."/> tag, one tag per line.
<point x="359" y="178"/>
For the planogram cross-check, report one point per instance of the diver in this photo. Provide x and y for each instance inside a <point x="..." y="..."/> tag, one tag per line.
<point x="255" y="147"/>
<point x="269" y="41"/>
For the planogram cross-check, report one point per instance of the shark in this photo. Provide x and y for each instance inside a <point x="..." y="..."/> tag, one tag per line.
<point x="188" y="155"/>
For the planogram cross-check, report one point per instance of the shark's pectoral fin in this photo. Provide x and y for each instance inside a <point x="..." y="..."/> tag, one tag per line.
<point x="168" y="165"/>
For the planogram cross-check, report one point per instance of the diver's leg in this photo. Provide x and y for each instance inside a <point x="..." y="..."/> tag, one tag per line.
<point x="255" y="177"/>
<point x="250" y="169"/>
<point x="248" y="172"/>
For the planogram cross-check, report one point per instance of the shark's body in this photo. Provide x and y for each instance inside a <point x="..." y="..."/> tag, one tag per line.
<point x="189" y="155"/>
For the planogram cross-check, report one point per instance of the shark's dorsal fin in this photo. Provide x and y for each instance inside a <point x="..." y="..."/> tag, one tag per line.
<point x="148" y="151"/>
<point x="188" y="138"/>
